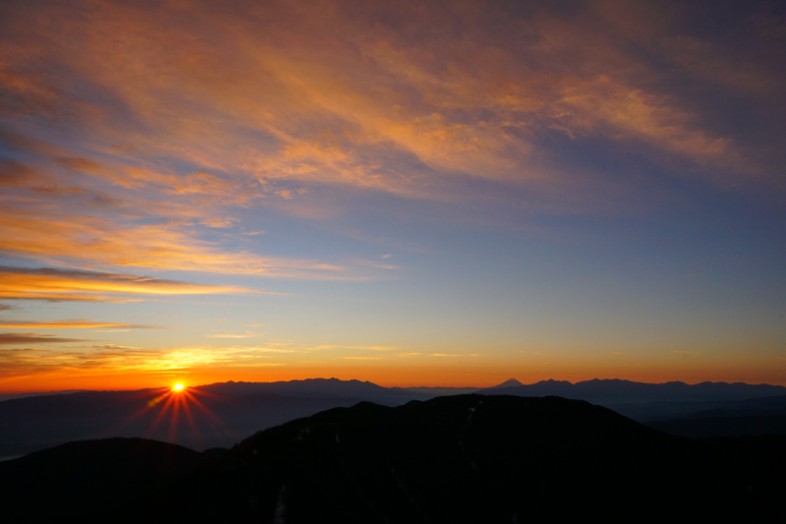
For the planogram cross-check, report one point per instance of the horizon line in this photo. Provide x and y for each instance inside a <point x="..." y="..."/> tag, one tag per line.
<point x="9" y="395"/>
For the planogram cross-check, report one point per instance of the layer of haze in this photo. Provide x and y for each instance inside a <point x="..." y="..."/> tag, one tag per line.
<point x="405" y="192"/>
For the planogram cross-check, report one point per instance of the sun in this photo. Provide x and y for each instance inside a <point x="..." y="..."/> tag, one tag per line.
<point x="178" y="388"/>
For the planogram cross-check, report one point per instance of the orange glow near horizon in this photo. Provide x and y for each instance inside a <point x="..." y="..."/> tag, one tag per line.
<point x="181" y="385"/>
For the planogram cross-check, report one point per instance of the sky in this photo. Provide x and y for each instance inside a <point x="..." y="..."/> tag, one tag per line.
<point x="411" y="193"/>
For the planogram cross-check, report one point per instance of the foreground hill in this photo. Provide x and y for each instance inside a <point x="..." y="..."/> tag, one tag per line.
<point x="465" y="458"/>
<point x="86" y="481"/>
<point x="472" y="458"/>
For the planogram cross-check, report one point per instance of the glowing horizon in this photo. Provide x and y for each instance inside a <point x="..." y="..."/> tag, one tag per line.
<point x="407" y="193"/>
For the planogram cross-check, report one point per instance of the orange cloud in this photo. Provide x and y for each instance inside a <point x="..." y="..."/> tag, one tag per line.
<point x="336" y="95"/>
<point x="97" y="241"/>
<point x="179" y="119"/>
<point x="65" y="285"/>
<point x="32" y="338"/>
<point x="69" y="324"/>
<point x="634" y="114"/>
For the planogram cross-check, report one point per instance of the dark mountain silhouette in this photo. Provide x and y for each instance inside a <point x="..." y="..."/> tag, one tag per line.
<point x="310" y="388"/>
<point x="758" y="416"/>
<point x="486" y="459"/>
<point x="464" y="458"/>
<point x="617" y="391"/>
<point x="510" y="383"/>
<point x="88" y="480"/>
<point x="218" y="415"/>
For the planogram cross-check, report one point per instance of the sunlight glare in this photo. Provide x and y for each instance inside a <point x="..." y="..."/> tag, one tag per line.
<point x="178" y="388"/>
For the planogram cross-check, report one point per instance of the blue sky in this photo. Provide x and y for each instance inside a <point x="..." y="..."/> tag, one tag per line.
<point x="410" y="193"/>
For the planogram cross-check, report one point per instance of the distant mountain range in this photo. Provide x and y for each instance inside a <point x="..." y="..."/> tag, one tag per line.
<point x="219" y="415"/>
<point x="624" y="391"/>
<point x="746" y="408"/>
<point x="452" y="459"/>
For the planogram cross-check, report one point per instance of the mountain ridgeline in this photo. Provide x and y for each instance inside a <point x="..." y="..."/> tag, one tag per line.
<point x="219" y="415"/>
<point x="462" y="458"/>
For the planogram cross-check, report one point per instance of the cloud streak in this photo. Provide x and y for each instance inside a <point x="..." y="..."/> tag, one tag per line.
<point x="351" y="98"/>
<point x="70" y="324"/>
<point x="32" y="338"/>
<point x="157" y="246"/>
<point x="74" y="285"/>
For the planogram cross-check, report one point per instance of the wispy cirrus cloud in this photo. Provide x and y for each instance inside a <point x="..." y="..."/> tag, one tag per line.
<point x="69" y="324"/>
<point x="163" y="156"/>
<point x="115" y="347"/>
<point x="118" y="359"/>
<point x="96" y="241"/>
<point x="74" y="285"/>
<point x="600" y="104"/>
<point x="33" y="338"/>
<point x="245" y="334"/>
<point x="391" y="108"/>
